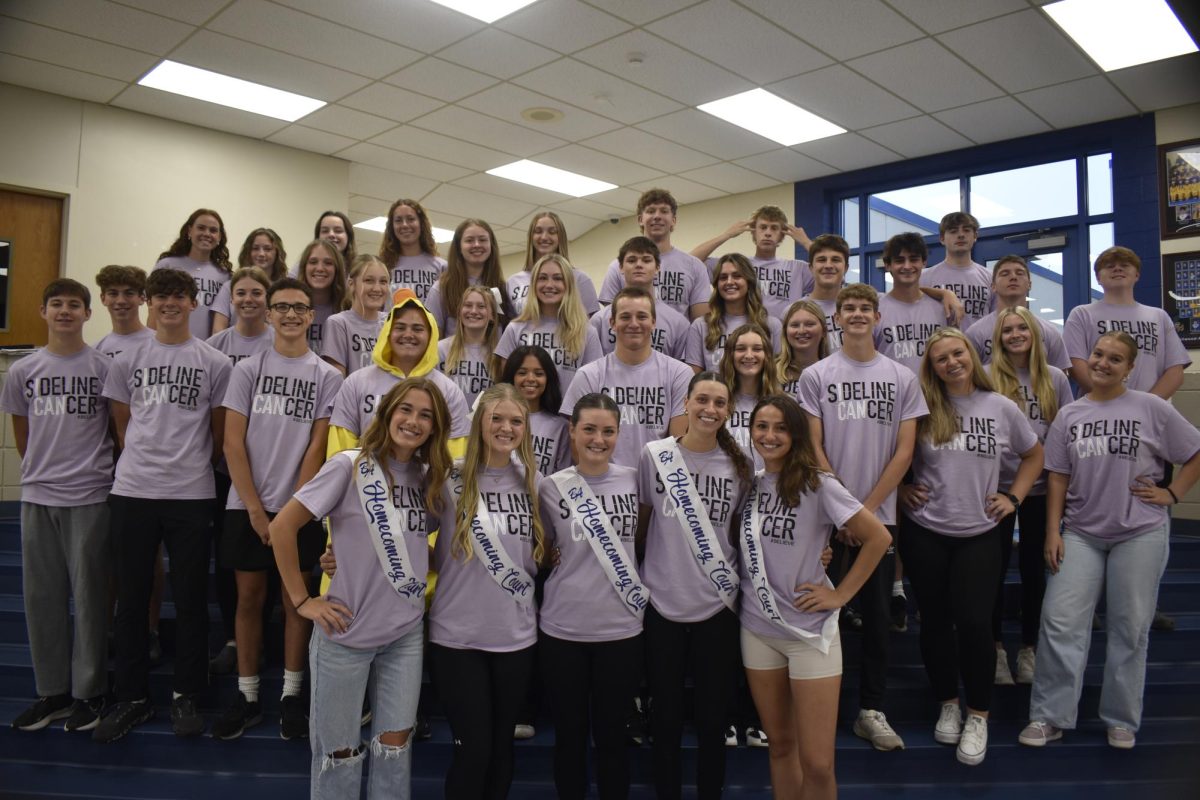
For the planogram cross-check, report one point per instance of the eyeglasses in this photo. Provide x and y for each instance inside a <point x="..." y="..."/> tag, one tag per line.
<point x="300" y="308"/>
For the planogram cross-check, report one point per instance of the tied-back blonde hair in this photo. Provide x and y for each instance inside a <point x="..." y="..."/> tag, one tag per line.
<point x="572" y="319"/>
<point x="376" y="443"/>
<point x="789" y="366"/>
<point x="531" y="252"/>
<point x="941" y="425"/>
<point x="756" y="314"/>
<point x="476" y="459"/>
<point x="1004" y="374"/>
<point x="491" y="336"/>
<point x="768" y="378"/>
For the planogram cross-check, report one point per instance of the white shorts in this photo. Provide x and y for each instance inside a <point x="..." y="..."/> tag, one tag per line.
<point x="803" y="661"/>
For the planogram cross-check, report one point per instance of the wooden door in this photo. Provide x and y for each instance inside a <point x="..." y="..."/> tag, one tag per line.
<point x="31" y="233"/>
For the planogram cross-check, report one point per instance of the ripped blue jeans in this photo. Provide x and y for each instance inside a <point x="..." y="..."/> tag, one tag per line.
<point x="391" y="676"/>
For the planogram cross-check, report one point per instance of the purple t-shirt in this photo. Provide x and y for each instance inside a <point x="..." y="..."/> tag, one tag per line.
<point x="649" y="394"/>
<point x="350" y="339"/>
<point x="113" y="344"/>
<point x="69" y="455"/>
<point x="436" y="307"/>
<point x="861" y="405"/>
<point x="781" y="281"/>
<point x="171" y="391"/>
<point x="316" y="332"/>
<point x="1104" y="447"/>
<point x="678" y="589"/>
<point x="238" y="347"/>
<point x="470" y="611"/>
<point x="738" y="425"/>
<point x="280" y="398"/>
<point x="381" y="616"/>
<point x="224" y="302"/>
<point x="697" y="355"/>
<point x="359" y="396"/>
<point x="518" y="290"/>
<point x="792" y="540"/>
<point x="418" y="273"/>
<point x="904" y="328"/>
<point x="470" y="374"/>
<point x="833" y="331"/>
<point x="668" y="337"/>
<point x="580" y="604"/>
<point x="682" y="282"/>
<point x="981" y="332"/>
<point x="1010" y="461"/>
<point x="551" y="448"/>
<point x="962" y="472"/>
<point x="1159" y="346"/>
<point x="209" y="279"/>
<point x="971" y="284"/>
<point x="544" y="334"/>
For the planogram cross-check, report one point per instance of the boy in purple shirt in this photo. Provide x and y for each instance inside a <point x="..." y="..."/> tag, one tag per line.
<point x="1011" y="285"/>
<point x="122" y="293"/>
<point x="828" y="258"/>
<point x="863" y="409"/>
<point x="640" y="261"/>
<point x="165" y="396"/>
<point x="907" y="315"/>
<point x="60" y="425"/>
<point x="970" y="282"/>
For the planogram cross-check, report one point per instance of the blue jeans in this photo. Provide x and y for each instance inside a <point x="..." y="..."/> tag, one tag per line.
<point x="340" y="677"/>
<point x="1128" y="572"/>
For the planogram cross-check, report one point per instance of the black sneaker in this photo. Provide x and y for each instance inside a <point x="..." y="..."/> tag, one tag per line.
<point x="224" y="662"/>
<point x="1162" y="622"/>
<point x="43" y="711"/>
<point x="85" y="715"/>
<point x="121" y="719"/>
<point x="899" y="613"/>
<point x="851" y="619"/>
<point x="239" y="716"/>
<point x="293" y="718"/>
<point x="185" y="719"/>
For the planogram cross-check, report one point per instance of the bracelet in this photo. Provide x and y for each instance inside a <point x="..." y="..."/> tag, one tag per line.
<point x="302" y="602"/>
<point x="1173" y="496"/>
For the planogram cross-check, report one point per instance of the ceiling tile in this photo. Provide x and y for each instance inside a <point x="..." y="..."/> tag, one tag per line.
<point x="843" y="96"/>
<point x="575" y="82"/>
<point x="993" y="120"/>
<point x="461" y="203"/>
<point x="290" y="31"/>
<point x="665" y="68"/>
<point x="707" y="30"/>
<point x="1078" y="102"/>
<point x="576" y="224"/>
<point x="848" y="151"/>
<point x="390" y="101"/>
<point x="926" y="74"/>
<point x="347" y="122"/>
<point x="683" y="190"/>
<point x="918" y="136"/>
<point x="196" y="12"/>
<point x="786" y="165"/>
<point x="441" y="79"/>
<point x="422" y="26"/>
<point x="502" y="187"/>
<point x="1161" y="84"/>
<point x="564" y="25"/>
<point x="75" y="52"/>
<point x="844" y="28"/>
<point x="58" y="80"/>
<point x="708" y="134"/>
<point x="386" y="185"/>
<point x="645" y="148"/>
<point x="622" y="197"/>
<point x="228" y="56"/>
<point x="507" y="100"/>
<point x="311" y="139"/>
<point x="595" y="164"/>
<point x="363" y="208"/>
<point x="1047" y="56"/>
<point x="206" y="115"/>
<point x="497" y="53"/>
<point x="108" y="22"/>
<point x="421" y="142"/>
<point x="585" y="207"/>
<point x="465" y="124"/>
<point x="384" y="157"/>
<point x="936" y="16"/>
<point x="730" y="178"/>
<point x="639" y="12"/>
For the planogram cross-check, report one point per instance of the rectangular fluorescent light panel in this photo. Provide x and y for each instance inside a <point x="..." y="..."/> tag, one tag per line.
<point x="1122" y="33"/>
<point x="771" y="116"/>
<point x="487" y="10"/>
<point x="379" y="225"/>
<point x="552" y="178"/>
<point x="213" y="87"/>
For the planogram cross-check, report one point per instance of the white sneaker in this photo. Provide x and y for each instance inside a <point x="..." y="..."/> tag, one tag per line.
<point x="1026" y="661"/>
<point x="523" y="730"/>
<point x="1121" y="737"/>
<point x="972" y="747"/>
<point x="873" y="726"/>
<point x="948" y="729"/>
<point x="756" y="737"/>
<point x="1037" y="734"/>
<point x="1003" y="675"/>
<point x="731" y="737"/>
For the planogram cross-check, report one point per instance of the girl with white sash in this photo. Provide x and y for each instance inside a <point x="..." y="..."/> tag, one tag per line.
<point x="692" y="490"/>
<point x="790" y="643"/>
<point x="591" y="618"/>
<point x="483" y="622"/>
<point x="380" y="500"/>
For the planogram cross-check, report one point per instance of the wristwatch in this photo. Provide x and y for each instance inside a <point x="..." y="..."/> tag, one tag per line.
<point x="1013" y="498"/>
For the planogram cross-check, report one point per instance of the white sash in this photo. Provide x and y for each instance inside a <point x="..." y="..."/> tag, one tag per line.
<point x="606" y="546"/>
<point x="383" y="525"/>
<point x="683" y="503"/>
<point x="752" y="557"/>
<point x="507" y="573"/>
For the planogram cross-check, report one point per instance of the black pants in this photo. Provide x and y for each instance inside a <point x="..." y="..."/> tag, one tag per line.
<point x="482" y="693"/>
<point x="712" y="650"/>
<point x="138" y="527"/>
<point x="596" y="681"/>
<point x="873" y="601"/>
<point x="954" y="580"/>
<point x="225" y="581"/>
<point x="1032" y="565"/>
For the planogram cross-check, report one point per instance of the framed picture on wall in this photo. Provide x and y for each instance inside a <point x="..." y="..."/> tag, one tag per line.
<point x="1179" y="188"/>
<point x="1181" y="295"/>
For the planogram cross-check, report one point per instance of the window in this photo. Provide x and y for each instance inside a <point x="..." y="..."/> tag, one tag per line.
<point x="917" y="208"/>
<point x="1043" y="191"/>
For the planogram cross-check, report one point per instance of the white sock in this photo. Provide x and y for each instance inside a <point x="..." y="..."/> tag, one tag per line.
<point x="249" y="688"/>
<point x="176" y="695"/>
<point x="898" y="588"/>
<point x="293" y="682"/>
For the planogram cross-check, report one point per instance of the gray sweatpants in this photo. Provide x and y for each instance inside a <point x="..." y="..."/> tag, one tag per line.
<point x="65" y="551"/>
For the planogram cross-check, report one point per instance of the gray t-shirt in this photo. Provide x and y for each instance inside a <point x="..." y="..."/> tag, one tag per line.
<point x="418" y="273"/>
<point x="544" y="334"/>
<point x="551" y="448"/>
<point x="971" y="284"/>
<point x="697" y="355"/>
<point x="518" y="290"/>
<point x="113" y="344"/>
<point x="669" y="335"/>
<point x="682" y="282"/>
<point x="904" y="328"/>
<point x="238" y="347"/>
<point x="981" y="332"/>
<point x="316" y="331"/>
<point x="359" y="396"/>
<point x="350" y="339"/>
<point x="470" y="374"/>
<point x="1159" y="346"/>
<point x="1011" y="461"/>
<point x="781" y="281"/>
<point x="209" y="279"/>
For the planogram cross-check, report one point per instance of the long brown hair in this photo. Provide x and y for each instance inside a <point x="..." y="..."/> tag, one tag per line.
<point x="453" y="280"/>
<point x="279" y="268"/>
<point x="755" y="312"/>
<point x="531" y="255"/>
<point x="789" y="369"/>
<point x="491" y="336"/>
<point x="338" y="292"/>
<point x="389" y="248"/>
<point x="725" y="440"/>
<point x="183" y="244"/>
<point x="800" y="473"/>
<point x="433" y="453"/>
<point x="768" y="379"/>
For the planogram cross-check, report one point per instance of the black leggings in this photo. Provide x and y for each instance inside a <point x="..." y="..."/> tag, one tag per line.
<point x="1032" y="564"/>
<point x="595" y="680"/>
<point x="482" y="693"/>
<point x="873" y="601"/>
<point x="712" y="649"/>
<point x="954" y="580"/>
